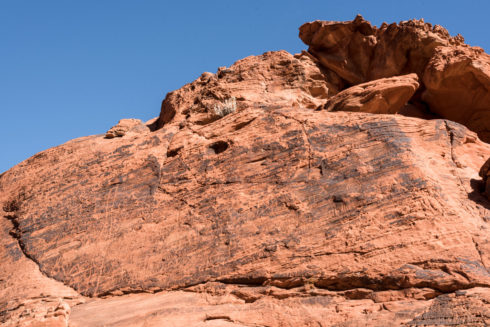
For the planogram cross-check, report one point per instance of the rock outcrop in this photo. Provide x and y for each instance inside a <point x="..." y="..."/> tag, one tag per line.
<point x="316" y="203"/>
<point x="455" y="78"/>
<point x="126" y="126"/>
<point x="359" y="52"/>
<point x="272" y="79"/>
<point x="457" y="82"/>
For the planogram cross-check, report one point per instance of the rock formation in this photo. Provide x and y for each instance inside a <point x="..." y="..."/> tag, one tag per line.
<point x="455" y="78"/>
<point x="318" y="202"/>
<point x="272" y="79"/>
<point x="126" y="126"/>
<point x="457" y="81"/>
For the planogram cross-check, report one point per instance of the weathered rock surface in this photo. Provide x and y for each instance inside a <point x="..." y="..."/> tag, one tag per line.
<point x="382" y="96"/>
<point x="457" y="81"/>
<point x="316" y="208"/>
<point x="360" y="52"/>
<point x="455" y="78"/>
<point x="27" y="296"/>
<point x="126" y="126"/>
<point x="272" y="79"/>
<point x="273" y="215"/>
<point x="216" y="304"/>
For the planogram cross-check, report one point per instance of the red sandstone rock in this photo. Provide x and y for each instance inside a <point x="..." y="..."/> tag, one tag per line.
<point x="288" y="201"/>
<point x="273" y="215"/>
<point x="457" y="81"/>
<point x="360" y="52"/>
<point x="272" y="79"/>
<point x="455" y="77"/>
<point x="126" y="126"/>
<point x="383" y="96"/>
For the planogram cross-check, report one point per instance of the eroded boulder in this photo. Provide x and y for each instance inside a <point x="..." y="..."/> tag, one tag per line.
<point x="126" y="126"/>
<point x="382" y="96"/>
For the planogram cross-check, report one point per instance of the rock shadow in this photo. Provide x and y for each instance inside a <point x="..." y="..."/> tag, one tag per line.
<point x="477" y="195"/>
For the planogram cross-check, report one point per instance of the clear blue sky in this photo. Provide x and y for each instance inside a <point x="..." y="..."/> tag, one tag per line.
<point x="74" y="68"/>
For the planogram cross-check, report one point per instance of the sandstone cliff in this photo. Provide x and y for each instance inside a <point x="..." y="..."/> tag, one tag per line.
<point x="348" y="187"/>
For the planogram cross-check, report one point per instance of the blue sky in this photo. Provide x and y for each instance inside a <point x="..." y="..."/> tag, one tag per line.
<point x="74" y="68"/>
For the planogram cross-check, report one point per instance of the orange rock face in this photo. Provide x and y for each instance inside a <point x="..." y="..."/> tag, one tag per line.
<point x="276" y="212"/>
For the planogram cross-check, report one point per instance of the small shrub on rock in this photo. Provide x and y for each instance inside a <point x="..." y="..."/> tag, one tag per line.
<point x="227" y="107"/>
